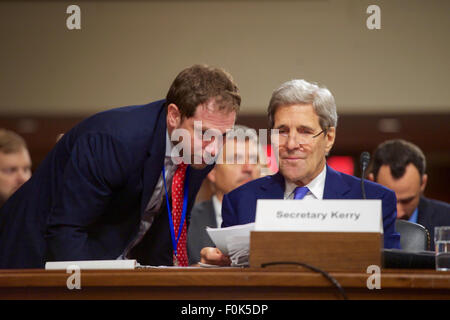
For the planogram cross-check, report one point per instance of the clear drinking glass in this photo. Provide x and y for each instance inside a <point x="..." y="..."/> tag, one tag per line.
<point x="442" y="243"/>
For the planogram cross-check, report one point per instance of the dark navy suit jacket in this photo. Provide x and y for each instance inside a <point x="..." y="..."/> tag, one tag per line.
<point x="433" y="213"/>
<point x="85" y="200"/>
<point x="239" y="206"/>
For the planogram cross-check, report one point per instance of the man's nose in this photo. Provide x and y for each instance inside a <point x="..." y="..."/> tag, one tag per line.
<point x="400" y="211"/>
<point x="292" y="142"/>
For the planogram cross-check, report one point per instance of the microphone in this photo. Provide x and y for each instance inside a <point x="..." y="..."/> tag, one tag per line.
<point x="364" y="162"/>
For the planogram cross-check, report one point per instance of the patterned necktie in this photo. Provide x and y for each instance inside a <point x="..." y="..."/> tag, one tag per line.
<point x="300" y="192"/>
<point x="177" y="207"/>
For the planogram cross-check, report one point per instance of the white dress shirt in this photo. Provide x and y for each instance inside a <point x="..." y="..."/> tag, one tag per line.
<point x="217" y="210"/>
<point x="316" y="187"/>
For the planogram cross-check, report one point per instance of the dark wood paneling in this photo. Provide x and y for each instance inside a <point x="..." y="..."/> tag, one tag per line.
<point x="355" y="133"/>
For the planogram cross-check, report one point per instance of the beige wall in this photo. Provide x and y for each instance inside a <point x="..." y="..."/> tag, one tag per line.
<point x="129" y="52"/>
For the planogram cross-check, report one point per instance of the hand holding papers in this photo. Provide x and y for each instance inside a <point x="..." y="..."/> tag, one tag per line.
<point x="233" y="241"/>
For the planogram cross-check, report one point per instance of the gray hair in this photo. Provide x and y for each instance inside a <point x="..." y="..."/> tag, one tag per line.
<point x="303" y="92"/>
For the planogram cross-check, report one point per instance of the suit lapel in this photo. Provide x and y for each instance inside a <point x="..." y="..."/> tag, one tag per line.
<point x="335" y="186"/>
<point x="155" y="161"/>
<point x="422" y="218"/>
<point x="273" y="188"/>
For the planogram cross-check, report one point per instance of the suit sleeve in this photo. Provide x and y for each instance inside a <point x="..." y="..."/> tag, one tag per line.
<point x="228" y="212"/>
<point x="391" y="237"/>
<point x="97" y="166"/>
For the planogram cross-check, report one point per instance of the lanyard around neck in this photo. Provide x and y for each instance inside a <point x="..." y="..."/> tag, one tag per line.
<point x="183" y="213"/>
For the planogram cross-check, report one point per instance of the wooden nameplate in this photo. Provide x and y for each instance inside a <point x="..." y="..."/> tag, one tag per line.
<point x="329" y="251"/>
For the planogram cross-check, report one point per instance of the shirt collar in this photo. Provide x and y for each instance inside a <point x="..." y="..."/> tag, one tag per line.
<point x="414" y="216"/>
<point x="169" y="144"/>
<point x="316" y="186"/>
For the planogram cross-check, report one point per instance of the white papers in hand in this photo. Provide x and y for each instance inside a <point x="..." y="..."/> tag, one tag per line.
<point x="233" y="241"/>
<point x="239" y="250"/>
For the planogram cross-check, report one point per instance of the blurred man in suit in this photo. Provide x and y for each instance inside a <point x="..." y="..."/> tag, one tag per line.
<point x="118" y="185"/>
<point x="15" y="163"/>
<point x="401" y="166"/>
<point x="305" y="116"/>
<point x="237" y="164"/>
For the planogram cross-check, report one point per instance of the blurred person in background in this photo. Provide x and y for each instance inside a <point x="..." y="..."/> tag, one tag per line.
<point x="238" y="166"/>
<point x="15" y="163"/>
<point x="401" y="166"/>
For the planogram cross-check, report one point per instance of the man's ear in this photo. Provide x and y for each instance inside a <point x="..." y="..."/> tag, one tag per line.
<point x="330" y="136"/>
<point x="424" y="182"/>
<point x="173" y="117"/>
<point x="371" y="177"/>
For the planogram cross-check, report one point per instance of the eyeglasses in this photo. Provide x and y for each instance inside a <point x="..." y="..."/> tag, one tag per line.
<point x="300" y="138"/>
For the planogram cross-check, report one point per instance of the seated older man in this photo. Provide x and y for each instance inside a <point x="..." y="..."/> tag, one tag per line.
<point x="306" y="118"/>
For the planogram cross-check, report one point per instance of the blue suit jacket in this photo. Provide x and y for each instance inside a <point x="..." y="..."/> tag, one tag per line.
<point x="86" y="199"/>
<point x="239" y="206"/>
